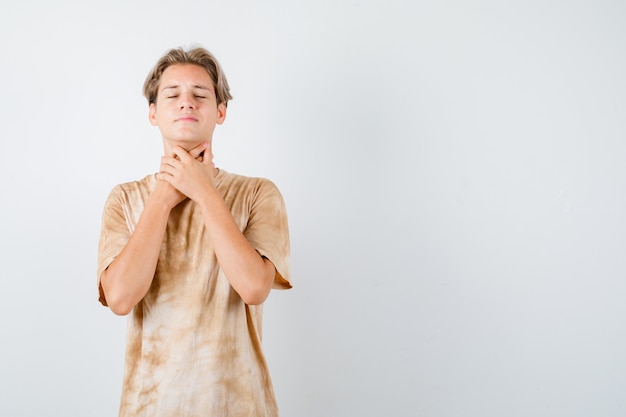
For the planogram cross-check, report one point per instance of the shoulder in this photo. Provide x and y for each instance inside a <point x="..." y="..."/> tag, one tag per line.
<point x="133" y="191"/>
<point x="146" y="183"/>
<point x="228" y="181"/>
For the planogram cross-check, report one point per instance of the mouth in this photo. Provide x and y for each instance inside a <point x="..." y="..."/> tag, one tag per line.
<point x="187" y="119"/>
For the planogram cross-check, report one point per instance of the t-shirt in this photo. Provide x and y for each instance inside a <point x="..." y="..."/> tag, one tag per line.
<point x="193" y="346"/>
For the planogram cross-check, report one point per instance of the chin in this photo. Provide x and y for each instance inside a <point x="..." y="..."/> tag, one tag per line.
<point x="185" y="143"/>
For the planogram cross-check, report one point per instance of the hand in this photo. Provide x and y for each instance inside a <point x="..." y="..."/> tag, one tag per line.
<point x="190" y="173"/>
<point x="167" y="192"/>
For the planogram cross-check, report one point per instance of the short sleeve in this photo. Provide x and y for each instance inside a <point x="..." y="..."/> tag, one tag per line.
<point x="268" y="231"/>
<point x="114" y="234"/>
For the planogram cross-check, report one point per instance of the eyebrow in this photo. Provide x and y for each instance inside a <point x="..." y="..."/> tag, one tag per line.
<point x="197" y="86"/>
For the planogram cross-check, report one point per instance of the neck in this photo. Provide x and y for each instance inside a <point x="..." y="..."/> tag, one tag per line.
<point x="186" y="145"/>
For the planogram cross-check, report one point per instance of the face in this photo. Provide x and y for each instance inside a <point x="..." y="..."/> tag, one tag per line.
<point x="186" y="109"/>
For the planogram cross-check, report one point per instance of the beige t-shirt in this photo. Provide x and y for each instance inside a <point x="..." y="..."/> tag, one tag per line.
<point x="193" y="346"/>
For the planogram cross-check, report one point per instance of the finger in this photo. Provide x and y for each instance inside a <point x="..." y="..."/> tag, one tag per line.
<point x="179" y="153"/>
<point x="165" y="171"/>
<point x="162" y="176"/>
<point x="166" y="178"/>
<point x="169" y="161"/>
<point x="198" y="151"/>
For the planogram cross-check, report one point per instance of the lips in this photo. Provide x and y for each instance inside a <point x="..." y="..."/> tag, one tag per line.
<point x="187" y="118"/>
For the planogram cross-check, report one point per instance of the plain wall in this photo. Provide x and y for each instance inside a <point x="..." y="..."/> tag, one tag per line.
<point x="453" y="171"/>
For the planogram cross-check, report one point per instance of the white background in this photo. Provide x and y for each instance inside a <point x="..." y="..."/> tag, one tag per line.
<point x="454" y="175"/>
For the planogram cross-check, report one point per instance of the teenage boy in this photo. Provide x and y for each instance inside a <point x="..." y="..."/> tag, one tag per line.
<point x="192" y="252"/>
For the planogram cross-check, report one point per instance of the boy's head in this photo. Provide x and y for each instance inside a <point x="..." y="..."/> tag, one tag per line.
<point x="196" y="56"/>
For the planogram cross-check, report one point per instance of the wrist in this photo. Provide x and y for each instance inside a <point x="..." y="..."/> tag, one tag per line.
<point x="164" y="199"/>
<point x="208" y="198"/>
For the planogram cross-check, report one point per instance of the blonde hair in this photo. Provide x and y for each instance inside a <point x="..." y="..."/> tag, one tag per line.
<point x="196" y="56"/>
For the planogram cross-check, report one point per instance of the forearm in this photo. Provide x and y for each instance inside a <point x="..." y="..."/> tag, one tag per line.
<point x="127" y="279"/>
<point x="250" y="275"/>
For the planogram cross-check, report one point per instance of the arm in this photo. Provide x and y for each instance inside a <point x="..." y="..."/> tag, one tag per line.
<point x="127" y="279"/>
<point x="250" y="275"/>
<point x="129" y="276"/>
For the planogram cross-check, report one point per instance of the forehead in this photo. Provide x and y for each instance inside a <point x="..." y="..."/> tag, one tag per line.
<point x="181" y="75"/>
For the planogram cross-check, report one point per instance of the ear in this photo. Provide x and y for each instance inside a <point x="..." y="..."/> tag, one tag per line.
<point x="221" y="113"/>
<point x="152" y="115"/>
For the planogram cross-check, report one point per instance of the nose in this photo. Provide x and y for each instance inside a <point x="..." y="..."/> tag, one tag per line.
<point x="186" y="101"/>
